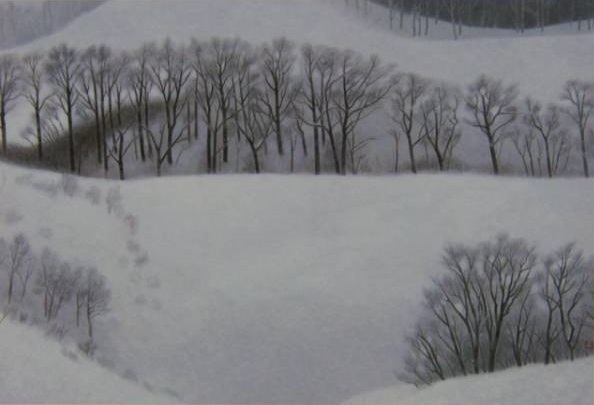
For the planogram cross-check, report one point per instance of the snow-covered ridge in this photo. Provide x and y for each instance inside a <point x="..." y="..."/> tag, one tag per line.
<point x="564" y="383"/>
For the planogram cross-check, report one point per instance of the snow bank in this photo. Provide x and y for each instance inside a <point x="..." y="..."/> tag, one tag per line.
<point x="565" y="383"/>
<point x="38" y="369"/>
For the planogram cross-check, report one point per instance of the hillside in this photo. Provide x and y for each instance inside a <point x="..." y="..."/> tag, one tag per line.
<point x="532" y="385"/>
<point x="277" y="289"/>
<point x="303" y="286"/>
<point x="28" y="373"/>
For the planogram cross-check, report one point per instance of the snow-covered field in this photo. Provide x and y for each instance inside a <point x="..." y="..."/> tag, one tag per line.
<point x="278" y="289"/>
<point x="272" y="289"/>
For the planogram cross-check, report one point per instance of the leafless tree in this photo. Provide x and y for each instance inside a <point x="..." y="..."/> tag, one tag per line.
<point x="406" y="100"/>
<point x="34" y="77"/>
<point x="57" y="282"/>
<point x="64" y="69"/>
<point x="221" y="64"/>
<point x="91" y="90"/>
<point x="580" y="96"/>
<point x="10" y="73"/>
<point x="359" y="90"/>
<point x="507" y="265"/>
<point x="16" y="263"/>
<point x="439" y="123"/>
<point x="310" y="97"/>
<point x="254" y="121"/>
<point x="481" y="301"/>
<point x="554" y="138"/>
<point x="529" y="147"/>
<point x="159" y="138"/>
<point x="492" y="107"/>
<point x="139" y="78"/>
<point x="96" y="297"/>
<point x="567" y="289"/>
<point x="279" y="90"/>
<point x="170" y="73"/>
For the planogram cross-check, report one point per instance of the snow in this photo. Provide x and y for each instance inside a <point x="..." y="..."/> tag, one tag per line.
<point x="280" y="289"/>
<point x="565" y="383"/>
<point x="540" y="64"/>
<point x="38" y="369"/>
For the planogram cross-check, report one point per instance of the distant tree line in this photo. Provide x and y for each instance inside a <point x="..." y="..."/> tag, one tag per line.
<point x="44" y="289"/>
<point x="499" y="304"/>
<point x="237" y="107"/>
<point x="23" y="21"/>
<point x="515" y="14"/>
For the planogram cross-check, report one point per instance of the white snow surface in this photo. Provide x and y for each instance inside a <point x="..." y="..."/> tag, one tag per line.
<point x="40" y="370"/>
<point x="279" y="289"/>
<point x="565" y="383"/>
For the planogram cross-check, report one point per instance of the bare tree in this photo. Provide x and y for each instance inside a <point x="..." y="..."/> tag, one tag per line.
<point x="529" y="147"/>
<point x="34" y="78"/>
<point x="10" y="72"/>
<point x="439" y="123"/>
<point x="507" y="265"/>
<point x="554" y="138"/>
<point x="483" y="299"/>
<point x="162" y="146"/>
<point x="90" y="92"/>
<point x="580" y="96"/>
<point x="221" y="64"/>
<point x="96" y="297"/>
<point x="568" y="278"/>
<point x="170" y="73"/>
<point x="406" y="99"/>
<point x="280" y="89"/>
<point x="64" y="69"/>
<point x="139" y="78"/>
<point x="254" y="121"/>
<point x="359" y="90"/>
<point x="492" y="107"/>
<point x="57" y="282"/>
<point x="16" y="263"/>
<point x="310" y="97"/>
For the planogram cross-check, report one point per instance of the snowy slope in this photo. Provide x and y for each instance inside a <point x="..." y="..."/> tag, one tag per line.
<point x="541" y="64"/>
<point x="38" y="369"/>
<point x="272" y="289"/>
<point x="565" y="383"/>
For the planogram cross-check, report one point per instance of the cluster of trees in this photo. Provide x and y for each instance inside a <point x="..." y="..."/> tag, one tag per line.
<point x="63" y="295"/>
<point x="500" y="305"/>
<point x="516" y="14"/>
<point x="22" y="21"/>
<point x="274" y="99"/>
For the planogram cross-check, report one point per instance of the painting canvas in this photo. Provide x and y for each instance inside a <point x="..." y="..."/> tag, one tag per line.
<point x="297" y="201"/>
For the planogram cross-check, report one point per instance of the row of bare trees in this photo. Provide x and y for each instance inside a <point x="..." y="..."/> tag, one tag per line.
<point x="500" y="305"/>
<point x="274" y="99"/>
<point x="63" y="294"/>
<point x="515" y="14"/>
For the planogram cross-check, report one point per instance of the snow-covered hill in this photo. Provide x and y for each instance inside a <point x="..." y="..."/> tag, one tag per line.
<point x="272" y="289"/>
<point x="565" y="383"/>
<point x="37" y="370"/>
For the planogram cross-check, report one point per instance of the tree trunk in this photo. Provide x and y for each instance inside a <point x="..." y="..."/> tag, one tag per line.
<point x="3" y="129"/>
